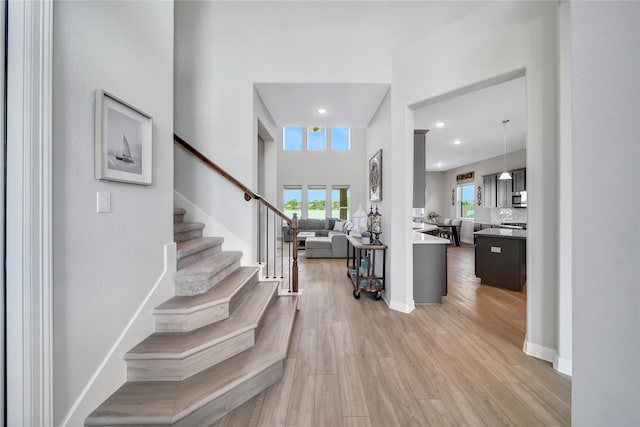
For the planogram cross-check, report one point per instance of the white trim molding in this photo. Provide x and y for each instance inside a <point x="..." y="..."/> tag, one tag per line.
<point x="539" y="351"/>
<point x="400" y="306"/>
<point x="564" y="366"/>
<point x="29" y="214"/>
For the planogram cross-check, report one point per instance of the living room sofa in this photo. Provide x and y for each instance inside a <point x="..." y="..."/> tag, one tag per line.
<point x="321" y="227"/>
<point x="332" y="246"/>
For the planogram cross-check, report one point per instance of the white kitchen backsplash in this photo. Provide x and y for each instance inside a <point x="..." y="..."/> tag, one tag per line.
<point x="499" y="215"/>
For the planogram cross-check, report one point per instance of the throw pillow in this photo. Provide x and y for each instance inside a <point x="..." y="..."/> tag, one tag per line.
<point x="338" y="226"/>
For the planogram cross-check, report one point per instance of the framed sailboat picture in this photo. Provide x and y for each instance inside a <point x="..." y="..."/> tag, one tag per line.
<point x="123" y="141"/>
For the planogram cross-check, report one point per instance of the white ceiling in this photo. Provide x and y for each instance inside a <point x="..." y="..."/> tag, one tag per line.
<point x="475" y="119"/>
<point x="347" y="104"/>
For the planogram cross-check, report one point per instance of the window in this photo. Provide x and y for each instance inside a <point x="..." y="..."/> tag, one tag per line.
<point x="292" y="139"/>
<point x="341" y="139"/>
<point x="340" y="202"/>
<point x="317" y="139"/>
<point x="292" y="201"/>
<point x="317" y="202"/>
<point x="466" y="200"/>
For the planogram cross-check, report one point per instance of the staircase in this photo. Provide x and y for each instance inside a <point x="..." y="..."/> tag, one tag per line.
<point x="220" y="341"/>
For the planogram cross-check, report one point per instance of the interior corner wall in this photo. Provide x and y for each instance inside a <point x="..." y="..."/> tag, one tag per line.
<point x="605" y="101"/>
<point x="436" y="201"/>
<point x="500" y="38"/>
<point x="378" y="136"/>
<point x="105" y="264"/>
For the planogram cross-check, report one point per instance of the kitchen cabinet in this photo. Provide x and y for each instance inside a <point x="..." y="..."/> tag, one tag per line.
<point x="489" y="193"/>
<point x="501" y="258"/>
<point x="519" y="180"/>
<point x="503" y="198"/>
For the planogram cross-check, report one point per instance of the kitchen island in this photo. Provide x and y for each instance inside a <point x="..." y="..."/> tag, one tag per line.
<point x="429" y="266"/>
<point x="501" y="257"/>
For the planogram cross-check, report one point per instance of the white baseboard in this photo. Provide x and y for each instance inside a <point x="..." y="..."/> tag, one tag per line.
<point x="111" y="373"/>
<point x="400" y="306"/>
<point x="564" y="366"/>
<point x="539" y="351"/>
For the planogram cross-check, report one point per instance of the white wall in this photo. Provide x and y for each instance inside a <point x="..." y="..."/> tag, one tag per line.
<point x="326" y="168"/>
<point x="605" y="150"/>
<point x="565" y="194"/>
<point x="105" y="264"/>
<point x="435" y="192"/>
<point x="378" y="137"/>
<point x="223" y="48"/>
<point x="501" y="38"/>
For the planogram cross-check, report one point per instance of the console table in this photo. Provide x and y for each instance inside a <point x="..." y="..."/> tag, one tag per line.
<point x="361" y="267"/>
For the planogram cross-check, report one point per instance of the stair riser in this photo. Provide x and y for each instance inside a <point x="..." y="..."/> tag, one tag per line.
<point x="219" y="407"/>
<point x="176" y="370"/>
<point x="265" y="317"/>
<point x="185" y="322"/>
<point x="187" y="235"/>
<point x="198" y="256"/>
<point x="196" y="287"/>
<point x="178" y="217"/>
<point x="191" y="321"/>
<point x="236" y="300"/>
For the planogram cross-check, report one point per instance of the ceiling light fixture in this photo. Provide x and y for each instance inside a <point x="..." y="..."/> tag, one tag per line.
<point x="439" y="124"/>
<point x="505" y="175"/>
<point x="315" y="129"/>
<point x="457" y="142"/>
<point x="439" y="164"/>
<point x="322" y="111"/>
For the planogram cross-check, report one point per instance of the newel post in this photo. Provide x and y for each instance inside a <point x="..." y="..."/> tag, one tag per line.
<point x="294" y="269"/>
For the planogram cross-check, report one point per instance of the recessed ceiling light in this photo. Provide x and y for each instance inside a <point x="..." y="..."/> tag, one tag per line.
<point x="322" y="111"/>
<point x="439" y="164"/>
<point x="457" y="142"/>
<point x="439" y="124"/>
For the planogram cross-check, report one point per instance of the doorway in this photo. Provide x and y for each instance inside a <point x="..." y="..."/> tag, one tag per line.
<point x="467" y="147"/>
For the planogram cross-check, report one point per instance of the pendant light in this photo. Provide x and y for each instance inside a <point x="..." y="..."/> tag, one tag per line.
<point x="505" y="175"/>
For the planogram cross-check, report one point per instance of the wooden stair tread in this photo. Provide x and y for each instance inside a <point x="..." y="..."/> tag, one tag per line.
<point x="208" y="267"/>
<point x="172" y="345"/>
<point x="221" y="293"/>
<point x="190" y="247"/>
<point x="179" y="211"/>
<point x="166" y="402"/>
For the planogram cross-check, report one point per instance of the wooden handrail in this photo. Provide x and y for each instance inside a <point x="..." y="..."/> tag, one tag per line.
<point x="248" y="195"/>
<point x="247" y="192"/>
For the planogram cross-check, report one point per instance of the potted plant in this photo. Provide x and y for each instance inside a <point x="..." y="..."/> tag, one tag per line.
<point x="433" y="216"/>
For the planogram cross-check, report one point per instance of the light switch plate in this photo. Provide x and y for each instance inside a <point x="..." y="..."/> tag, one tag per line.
<point x="103" y="202"/>
<point x="496" y="249"/>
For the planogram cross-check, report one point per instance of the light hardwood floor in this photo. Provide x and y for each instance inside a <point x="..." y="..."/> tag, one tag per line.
<point x="355" y="363"/>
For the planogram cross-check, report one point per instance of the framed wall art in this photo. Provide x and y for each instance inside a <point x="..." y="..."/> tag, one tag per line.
<point x="375" y="177"/>
<point x="123" y="141"/>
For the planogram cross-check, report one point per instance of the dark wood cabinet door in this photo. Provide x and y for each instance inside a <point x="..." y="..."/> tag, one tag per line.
<point x="519" y="180"/>
<point x="504" y="194"/>
<point x="489" y="195"/>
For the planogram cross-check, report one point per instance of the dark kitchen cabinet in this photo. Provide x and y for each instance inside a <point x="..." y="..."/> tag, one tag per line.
<point x="503" y="199"/>
<point x="519" y="180"/>
<point x="489" y="193"/>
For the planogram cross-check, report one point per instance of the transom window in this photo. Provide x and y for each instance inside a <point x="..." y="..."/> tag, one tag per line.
<point x="292" y="140"/>
<point x="340" y="139"/>
<point x="316" y="138"/>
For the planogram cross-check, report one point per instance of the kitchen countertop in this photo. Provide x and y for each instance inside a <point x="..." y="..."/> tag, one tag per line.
<point x="420" y="237"/>
<point x="507" y="233"/>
